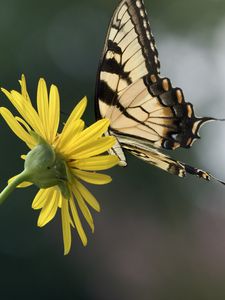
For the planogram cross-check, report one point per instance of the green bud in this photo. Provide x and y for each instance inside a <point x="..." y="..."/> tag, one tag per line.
<point x="45" y="168"/>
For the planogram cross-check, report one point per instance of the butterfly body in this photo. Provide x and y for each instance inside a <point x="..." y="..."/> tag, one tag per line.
<point x="146" y="112"/>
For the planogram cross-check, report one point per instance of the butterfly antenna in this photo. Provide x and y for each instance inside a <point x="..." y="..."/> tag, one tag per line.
<point x="209" y="119"/>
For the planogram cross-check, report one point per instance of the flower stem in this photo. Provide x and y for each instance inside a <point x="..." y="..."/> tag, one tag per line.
<point x="12" y="185"/>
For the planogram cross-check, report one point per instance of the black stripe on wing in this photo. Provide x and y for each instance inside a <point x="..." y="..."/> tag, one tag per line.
<point x="168" y="164"/>
<point x="129" y="53"/>
<point x="145" y="36"/>
<point x="154" y="111"/>
<point x="185" y="125"/>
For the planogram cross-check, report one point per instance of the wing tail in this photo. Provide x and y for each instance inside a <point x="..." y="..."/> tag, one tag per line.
<point x="168" y="164"/>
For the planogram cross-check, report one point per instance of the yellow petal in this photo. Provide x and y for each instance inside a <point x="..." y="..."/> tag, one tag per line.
<point x="27" y="111"/>
<point x="66" y="136"/>
<point x="23" y="123"/>
<point x="40" y="198"/>
<point x="91" y="177"/>
<point x="24" y="88"/>
<point x="7" y="94"/>
<point x="60" y="201"/>
<point x="93" y="148"/>
<point x="42" y="106"/>
<point x="16" y="127"/>
<point x="76" y="113"/>
<point x="90" y="134"/>
<point x="49" y="209"/>
<point x="95" y="163"/>
<point x="22" y="185"/>
<point x="66" y="226"/>
<point x="88" y="197"/>
<point x="83" y="207"/>
<point x="77" y="222"/>
<point x="54" y="111"/>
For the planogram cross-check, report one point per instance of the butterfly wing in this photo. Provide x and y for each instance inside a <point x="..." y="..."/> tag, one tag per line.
<point x="164" y="162"/>
<point x="145" y="111"/>
<point x="129" y="90"/>
<point x="126" y="56"/>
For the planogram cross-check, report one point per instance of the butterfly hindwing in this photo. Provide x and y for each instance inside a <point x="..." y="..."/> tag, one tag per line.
<point x="152" y="110"/>
<point x="166" y="163"/>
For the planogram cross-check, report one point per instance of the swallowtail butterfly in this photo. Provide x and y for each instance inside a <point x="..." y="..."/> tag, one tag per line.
<point x="146" y="112"/>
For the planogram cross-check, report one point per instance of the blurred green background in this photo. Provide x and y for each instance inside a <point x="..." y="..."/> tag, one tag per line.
<point x="157" y="237"/>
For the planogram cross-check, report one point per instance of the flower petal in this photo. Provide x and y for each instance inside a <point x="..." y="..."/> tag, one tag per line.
<point x="95" y="163"/>
<point x="83" y="207"/>
<point x="66" y="226"/>
<point x="24" y="88"/>
<point x="40" y="198"/>
<point x="93" y="148"/>
<point x="76" y="113"/>
<point x="42" y="105"/>
<point x="90" y="134"/>
<point x="54" y="111"/>
<point x="49" y="209"/>
<point x="16" y="127"/>
<point x="77" y="222"/>
<point x="28" y="129"/>
<point x="63" y="142"/>
<point x="26" y="110"/>
<point x="88" y="197"/>
<point x="91" y="177"/>
<point x="60" y="201"/>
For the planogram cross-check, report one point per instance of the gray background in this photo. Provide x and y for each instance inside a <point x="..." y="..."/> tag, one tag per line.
<point x="158" y="237"/>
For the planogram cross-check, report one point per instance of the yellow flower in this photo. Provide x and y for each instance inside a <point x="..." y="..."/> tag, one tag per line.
<point x="57" y="161"/>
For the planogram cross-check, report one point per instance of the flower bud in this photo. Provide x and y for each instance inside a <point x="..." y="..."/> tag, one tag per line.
<point x="44" y="167"/>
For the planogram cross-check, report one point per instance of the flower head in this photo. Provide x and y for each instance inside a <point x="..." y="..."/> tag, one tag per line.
<point x="58" y="161"/>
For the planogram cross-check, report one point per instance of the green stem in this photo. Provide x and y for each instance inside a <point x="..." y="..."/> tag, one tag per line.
<point x="12" y="185"/>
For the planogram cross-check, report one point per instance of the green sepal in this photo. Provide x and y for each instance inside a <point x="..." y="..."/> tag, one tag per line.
<point x="44" y="166"/>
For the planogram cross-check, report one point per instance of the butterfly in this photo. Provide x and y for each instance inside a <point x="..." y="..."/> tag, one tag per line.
<point x="147" y="114"/>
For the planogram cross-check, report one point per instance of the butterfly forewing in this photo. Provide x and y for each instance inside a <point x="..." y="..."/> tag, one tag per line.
<point x="126" y="55"/>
